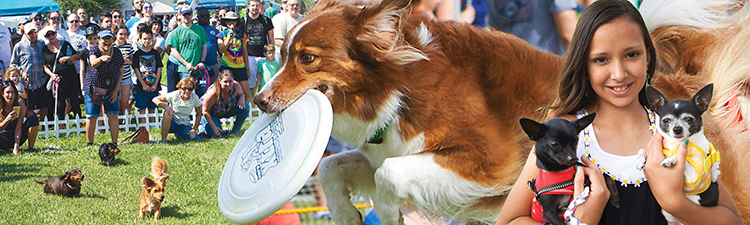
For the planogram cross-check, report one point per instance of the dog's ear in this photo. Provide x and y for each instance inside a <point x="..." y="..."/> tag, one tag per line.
<point x="655" y="98"/>
<point x="379" y="33"/>
<point x="584" y="122"/>
<point x="533" y="129"/>
<point x="147" y="182"/>
<point x="163" y="178"/>
<point x="703" y="97"/>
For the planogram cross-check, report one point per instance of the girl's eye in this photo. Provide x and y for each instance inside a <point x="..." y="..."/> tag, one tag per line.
<point x="632" y="54"/>
<point x="600" y="60"/>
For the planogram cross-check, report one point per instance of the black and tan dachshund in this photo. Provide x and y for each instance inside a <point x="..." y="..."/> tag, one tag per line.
<point x="107" y="152"/>
<point x="68" y="185"/>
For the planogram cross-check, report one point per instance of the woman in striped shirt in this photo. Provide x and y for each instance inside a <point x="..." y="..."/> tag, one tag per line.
<point x="121" y="43"/>
<point x="177" y="107"/>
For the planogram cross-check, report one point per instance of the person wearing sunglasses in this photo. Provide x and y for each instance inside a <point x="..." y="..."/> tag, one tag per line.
<point x="58" y="64"/>
<point x="148" y="12"/>
<point x="13" y="129"/>
<point x="117" y="17"/>
<point x="138" y="7"/>
<point x="54" y="19"/>
<point x="28" y="57"/>
<point x="177" y="107"/>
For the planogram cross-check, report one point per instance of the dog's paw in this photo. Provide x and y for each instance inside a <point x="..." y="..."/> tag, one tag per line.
<point x="641" y="162"/>
<point x="669" y="162"/>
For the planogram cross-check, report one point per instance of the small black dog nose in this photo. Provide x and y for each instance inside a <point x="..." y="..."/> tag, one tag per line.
<point x="677" y="130"/>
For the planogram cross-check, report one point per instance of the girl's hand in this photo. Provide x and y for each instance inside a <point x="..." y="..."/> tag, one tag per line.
<point x="665" y="182"/>
<point x="11" y="116"/>
<point x="63" y="59"/>
<point x="105" y="58"/>
<point x="591" y="211"/>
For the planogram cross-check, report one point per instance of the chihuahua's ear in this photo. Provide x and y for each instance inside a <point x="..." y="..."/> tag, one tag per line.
<point x="655" y="98"/>
<point x="147" y="182"/>
<point x="533" y="129"/>
<point x="703" y="97"/>
<point x="584" y="122"/>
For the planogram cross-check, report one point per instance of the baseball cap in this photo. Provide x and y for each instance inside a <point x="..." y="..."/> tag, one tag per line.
<point x="45" y="30"/>
<point x="91" y="30"/>
<point x="22" y="20"/>
<point x="104" y="33"/>
<point x="186" y="9"/>
<point x="29" y="27"/>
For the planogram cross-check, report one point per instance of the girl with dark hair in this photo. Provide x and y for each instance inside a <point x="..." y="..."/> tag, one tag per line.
<point x="127" y="49"/>
<point x="13" y="130"/>
<point x="609" y="63"/>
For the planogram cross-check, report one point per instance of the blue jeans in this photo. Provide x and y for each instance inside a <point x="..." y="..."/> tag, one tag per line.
<point x="182" y="131"/>
<point x="241" y="115"/>
<point x="172" y="76"/>
<point x="94" y="110"/>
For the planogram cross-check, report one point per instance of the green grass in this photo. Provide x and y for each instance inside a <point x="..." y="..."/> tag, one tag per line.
<point x="110" y="195"/>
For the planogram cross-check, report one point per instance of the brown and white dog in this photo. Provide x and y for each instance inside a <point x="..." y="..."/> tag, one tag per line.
<point x="153" y="189"/>
<point x="699" y="43"/>
<point x="433" y="107"/>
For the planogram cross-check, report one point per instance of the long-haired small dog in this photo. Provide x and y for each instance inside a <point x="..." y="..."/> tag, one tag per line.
<point x="153" y="189"/>
<point x="68" y="184"/>
<point x="107" y="152"/>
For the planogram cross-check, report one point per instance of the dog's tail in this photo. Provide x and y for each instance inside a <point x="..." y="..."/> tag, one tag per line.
<point x="158" y="167"/>
<point x="40" y="181"/>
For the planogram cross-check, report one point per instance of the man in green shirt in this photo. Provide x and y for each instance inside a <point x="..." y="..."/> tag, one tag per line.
<point x="188" y="45"/>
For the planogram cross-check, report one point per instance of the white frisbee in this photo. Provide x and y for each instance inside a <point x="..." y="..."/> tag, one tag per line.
<point x="274" y="159"/>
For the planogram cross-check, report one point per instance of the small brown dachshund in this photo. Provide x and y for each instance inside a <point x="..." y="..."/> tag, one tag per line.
<point x="68" y="185"/>
<point x="107" y="152"/>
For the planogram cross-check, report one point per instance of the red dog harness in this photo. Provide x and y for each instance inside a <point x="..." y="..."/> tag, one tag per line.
<point x="549" y="183"/>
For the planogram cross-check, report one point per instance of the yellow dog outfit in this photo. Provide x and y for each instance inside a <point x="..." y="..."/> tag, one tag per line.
<point x="699" y="160"/>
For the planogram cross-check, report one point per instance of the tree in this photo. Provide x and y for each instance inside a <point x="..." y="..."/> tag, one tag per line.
<point x="93" y="7"/>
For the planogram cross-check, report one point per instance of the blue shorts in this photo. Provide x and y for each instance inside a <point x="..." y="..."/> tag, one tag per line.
<point x="144" y="100"/>
<point x="182" y="131"/>
<point x="93" y="110"/>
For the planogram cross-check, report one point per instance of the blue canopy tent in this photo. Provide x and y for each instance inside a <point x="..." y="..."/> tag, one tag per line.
<point x="215" y="4"/>
<point x="27" y="6"/>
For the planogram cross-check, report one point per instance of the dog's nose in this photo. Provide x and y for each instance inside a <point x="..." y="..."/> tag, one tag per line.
<point x="677" y="130"/>
<point x="262" y="100"/>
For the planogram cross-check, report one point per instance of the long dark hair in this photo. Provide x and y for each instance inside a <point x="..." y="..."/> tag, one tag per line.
<point x="575" y="91"/>
<point x="217" y="85"/>
<point x="4" y="84"/>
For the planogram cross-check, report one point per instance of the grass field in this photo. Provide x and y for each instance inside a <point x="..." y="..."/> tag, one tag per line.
<point x="110" y="195"/>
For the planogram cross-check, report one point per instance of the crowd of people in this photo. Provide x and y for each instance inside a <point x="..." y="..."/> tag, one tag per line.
<point x="55" y="63"/>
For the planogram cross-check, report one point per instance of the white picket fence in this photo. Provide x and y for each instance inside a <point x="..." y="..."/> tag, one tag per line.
<point x="131" y="123"/>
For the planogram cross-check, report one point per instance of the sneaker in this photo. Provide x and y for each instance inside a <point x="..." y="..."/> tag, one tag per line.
<point x="89" y="144"/>
<point x="322" y="215"/>
<point x="163" y="142"/>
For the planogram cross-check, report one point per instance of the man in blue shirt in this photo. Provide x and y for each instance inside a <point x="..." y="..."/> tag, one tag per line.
<point x="213" y="34"/>
<point x="138" y="7"/>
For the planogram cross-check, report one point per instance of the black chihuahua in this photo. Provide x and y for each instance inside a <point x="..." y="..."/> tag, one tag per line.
<point x="556" y="143"/>
<point x="107" y="152"/>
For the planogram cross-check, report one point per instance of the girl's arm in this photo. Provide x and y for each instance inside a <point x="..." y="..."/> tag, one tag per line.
<point x="666" y="185"/>
<point x="19" y="124"/>
<point x="240" y="95"/>
<point x="49" y="71"/>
